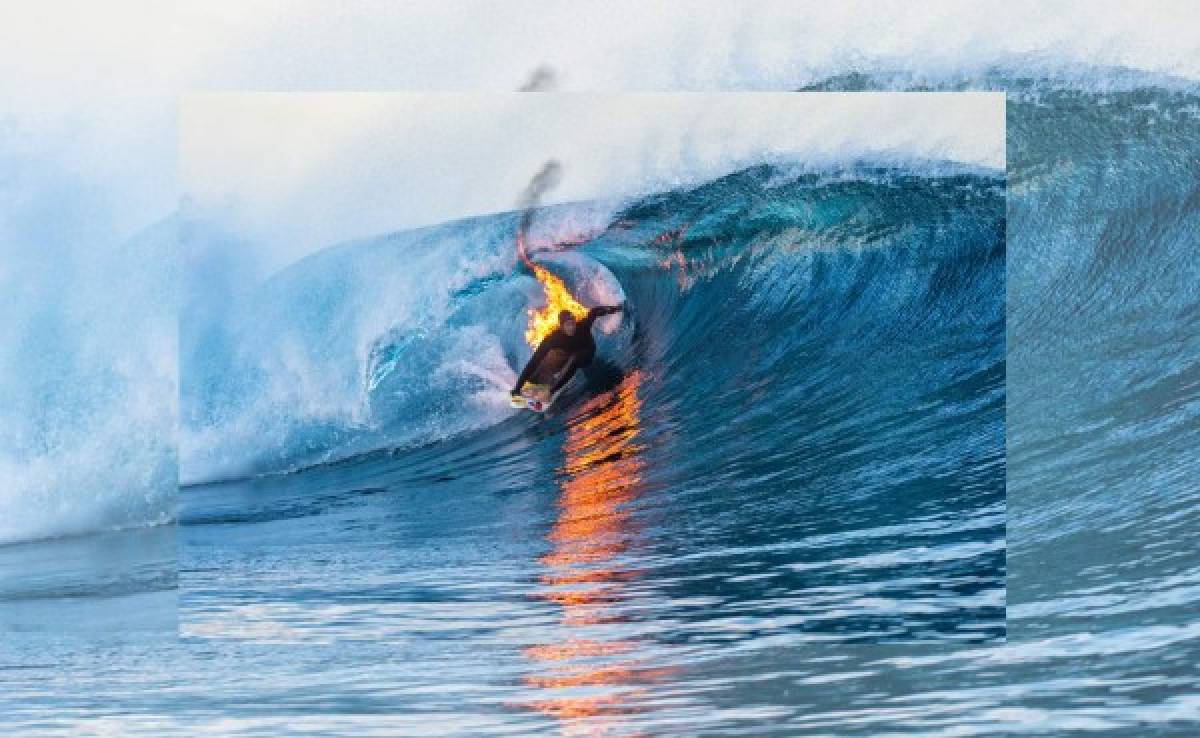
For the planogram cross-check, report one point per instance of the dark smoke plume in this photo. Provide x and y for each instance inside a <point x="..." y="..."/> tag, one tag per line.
<point x="544" y="181"/>
<point x="541" y="79"/>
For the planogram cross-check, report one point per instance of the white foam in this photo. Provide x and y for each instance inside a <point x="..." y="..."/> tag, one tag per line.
<point x="89" y="381"/>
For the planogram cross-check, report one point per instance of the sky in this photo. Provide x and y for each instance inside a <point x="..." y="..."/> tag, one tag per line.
<point x="294" y="172"/>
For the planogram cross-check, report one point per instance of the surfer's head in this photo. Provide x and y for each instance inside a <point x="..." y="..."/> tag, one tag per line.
<point x="566" y="321"/>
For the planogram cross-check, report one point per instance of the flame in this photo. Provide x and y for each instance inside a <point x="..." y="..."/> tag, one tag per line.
<point x="543" y="321"/>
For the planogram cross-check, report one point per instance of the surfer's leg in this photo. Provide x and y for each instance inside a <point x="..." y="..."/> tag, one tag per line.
<point x="548" y="370"/>
<point x="568" y="371"/>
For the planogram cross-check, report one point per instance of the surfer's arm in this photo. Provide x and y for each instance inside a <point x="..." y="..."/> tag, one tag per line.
<point x="600" y="312"/>
<point x="533" y="363"/>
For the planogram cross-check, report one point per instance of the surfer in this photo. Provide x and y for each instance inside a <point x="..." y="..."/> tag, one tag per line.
<point x="569" y="348"/>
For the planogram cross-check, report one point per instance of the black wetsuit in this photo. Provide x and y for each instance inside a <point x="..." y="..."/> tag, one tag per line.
<point x="565" y="352"/>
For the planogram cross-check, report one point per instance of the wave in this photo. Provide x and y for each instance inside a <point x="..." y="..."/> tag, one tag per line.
<point x="89" y="377"/>
<point x="415" y="337"/>
<point x="799" y="416"/>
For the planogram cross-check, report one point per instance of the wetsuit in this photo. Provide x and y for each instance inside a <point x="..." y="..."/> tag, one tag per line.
<point x="560" y="354"/>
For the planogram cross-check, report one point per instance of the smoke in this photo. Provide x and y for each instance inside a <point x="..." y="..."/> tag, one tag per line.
<point x="545" y="180"/>
<point x="542" y="79"/>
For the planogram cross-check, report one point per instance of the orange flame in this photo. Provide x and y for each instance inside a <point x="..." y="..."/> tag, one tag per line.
<point x="543" y="321"/>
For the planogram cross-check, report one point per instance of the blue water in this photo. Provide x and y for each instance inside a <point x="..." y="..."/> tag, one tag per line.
<point x="658" y="556"/>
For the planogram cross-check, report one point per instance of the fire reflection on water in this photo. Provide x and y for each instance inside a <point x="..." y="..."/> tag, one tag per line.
<point x="592" y="680"/>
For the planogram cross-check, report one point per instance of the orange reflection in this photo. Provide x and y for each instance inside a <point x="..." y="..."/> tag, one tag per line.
<point x="594" y="682"/>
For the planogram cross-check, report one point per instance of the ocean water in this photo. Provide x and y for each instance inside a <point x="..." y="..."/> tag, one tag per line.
<point x="656" y="559"/>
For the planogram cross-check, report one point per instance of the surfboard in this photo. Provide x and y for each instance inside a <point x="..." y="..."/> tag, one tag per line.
<point x="535" y="397"/>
